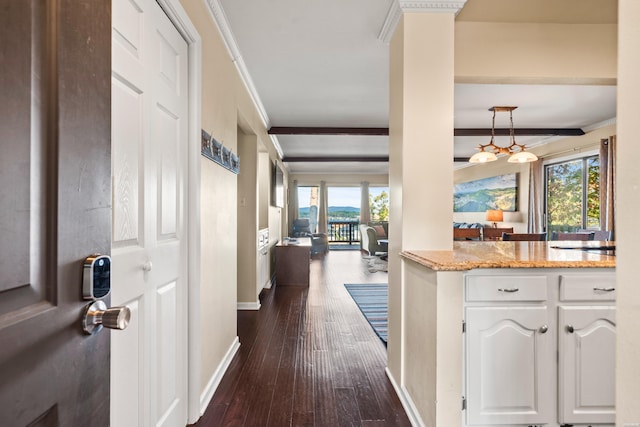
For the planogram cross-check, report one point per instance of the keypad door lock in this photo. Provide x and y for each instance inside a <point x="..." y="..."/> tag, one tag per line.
<point x="96" y="277"/>
<point x="96" y="284"/>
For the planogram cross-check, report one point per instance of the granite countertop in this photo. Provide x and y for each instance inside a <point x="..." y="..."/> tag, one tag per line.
<point x="554" y="254"/>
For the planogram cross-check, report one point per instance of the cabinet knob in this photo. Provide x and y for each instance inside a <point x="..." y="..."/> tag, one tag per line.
<point x="543" y="329"/>
<point x="569" y="329"/>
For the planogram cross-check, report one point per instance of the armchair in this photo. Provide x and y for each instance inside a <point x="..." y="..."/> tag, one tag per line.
<point x="319" y="241"/>
<point x="370" y="240"/>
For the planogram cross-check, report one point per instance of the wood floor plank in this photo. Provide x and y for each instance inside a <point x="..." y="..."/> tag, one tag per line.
<point x="282" y="405"/>
<point x="303" y="397"/>
<point x="325" y="407"/>
<point x="248" y="387"/>
<point x="260" y="406"/>
<point x="308" y="357"/>
<point x="367" y="401"/>
<point x="347" y="407"/>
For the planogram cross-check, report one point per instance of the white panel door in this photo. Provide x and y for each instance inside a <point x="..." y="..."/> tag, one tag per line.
<point x="587" y="364"/>
<point x="149" y="170"/>
<point x="509" y="357"/>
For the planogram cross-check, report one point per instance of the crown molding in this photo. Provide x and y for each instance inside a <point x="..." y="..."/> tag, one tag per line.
<point x="276" y="145"/>
<point x="599" y="125"/>
<point x="220" y="18"/>
<point x="398" y="7"/>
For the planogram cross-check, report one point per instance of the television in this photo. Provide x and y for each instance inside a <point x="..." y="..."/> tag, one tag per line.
<point x="277" y="186"/>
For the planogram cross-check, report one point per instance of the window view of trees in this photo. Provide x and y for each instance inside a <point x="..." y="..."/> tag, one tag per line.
<point x="573" y="194"/>
<point x="379" y="205"/>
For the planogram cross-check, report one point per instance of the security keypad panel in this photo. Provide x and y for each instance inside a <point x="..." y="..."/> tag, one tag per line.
<point x="96" y="280"/>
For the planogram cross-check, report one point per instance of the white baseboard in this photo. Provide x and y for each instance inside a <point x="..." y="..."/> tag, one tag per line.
<point x="214" y="382"/>
<point x="407" y="402"/>
<point x="249" y="306"/>
<point x="270" y="282"/>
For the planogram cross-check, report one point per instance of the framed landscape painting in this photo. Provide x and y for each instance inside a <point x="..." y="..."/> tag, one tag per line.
<point x="496" y="192"/>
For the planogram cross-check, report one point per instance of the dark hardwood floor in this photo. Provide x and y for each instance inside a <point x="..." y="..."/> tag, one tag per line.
<point x="309" y="358"/>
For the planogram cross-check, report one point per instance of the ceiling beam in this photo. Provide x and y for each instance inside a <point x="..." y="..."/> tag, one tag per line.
<point x="309" y="159"/>
<point x="292" y="159"/>
<point x="519" y="132"/>
<point x="327" y="131"/>
<point x="292" y="130"/>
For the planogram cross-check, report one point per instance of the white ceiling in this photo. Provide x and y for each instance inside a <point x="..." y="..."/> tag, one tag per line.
<point x="320" y="63"/>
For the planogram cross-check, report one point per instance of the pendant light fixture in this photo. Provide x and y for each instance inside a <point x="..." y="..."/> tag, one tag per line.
<point x="488" y="152"/>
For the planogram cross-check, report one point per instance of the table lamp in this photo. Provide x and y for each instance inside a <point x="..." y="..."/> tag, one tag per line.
<point x="494" y="216"/>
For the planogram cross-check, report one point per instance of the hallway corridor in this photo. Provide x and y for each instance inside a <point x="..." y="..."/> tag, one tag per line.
<point x="309" y="358"/>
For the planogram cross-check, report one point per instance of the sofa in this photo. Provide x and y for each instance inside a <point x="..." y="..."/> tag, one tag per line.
<point x="370" y="236"/>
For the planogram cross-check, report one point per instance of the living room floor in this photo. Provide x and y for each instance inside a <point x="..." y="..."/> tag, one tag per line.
<point x="308" y="357"/>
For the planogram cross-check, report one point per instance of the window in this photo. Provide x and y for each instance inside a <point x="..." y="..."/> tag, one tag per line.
<point x="379" y="203"/>
<point x="344" y="204"/>
<point x="573" y="194"/>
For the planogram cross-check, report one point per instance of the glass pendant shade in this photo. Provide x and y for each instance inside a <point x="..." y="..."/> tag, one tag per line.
<point x="522" y="157"/>
<point x="483" y="157"/>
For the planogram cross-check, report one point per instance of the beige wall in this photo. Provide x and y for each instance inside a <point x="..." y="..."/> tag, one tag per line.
<point x="247" y="218"/>
<point x="226" y="105"/>
<point x="535" y="53"/>
<point x="628" y="205"/>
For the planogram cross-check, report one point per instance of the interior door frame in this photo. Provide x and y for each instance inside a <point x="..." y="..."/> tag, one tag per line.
<point x="180" y="19"/>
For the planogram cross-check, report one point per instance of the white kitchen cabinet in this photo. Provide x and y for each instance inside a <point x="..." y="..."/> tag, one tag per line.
<point x="509" y="363"/>
<point x="539" y="349"/>
<point x="586" y="340"/>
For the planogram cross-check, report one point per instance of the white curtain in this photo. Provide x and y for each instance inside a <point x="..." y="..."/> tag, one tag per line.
<point x="365" y="211"/>
<point x="323" y="209"/>
<point x="607" y="184"/>
<point x="294" y="208"/>
<point x="536" y="198"/>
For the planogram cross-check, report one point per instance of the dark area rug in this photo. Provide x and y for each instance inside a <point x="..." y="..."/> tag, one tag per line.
<point x="372" y="300"/>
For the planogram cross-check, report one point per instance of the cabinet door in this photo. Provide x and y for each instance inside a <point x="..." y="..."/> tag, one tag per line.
<point x="587" y="364"/>
<point x="510" y="370"/>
